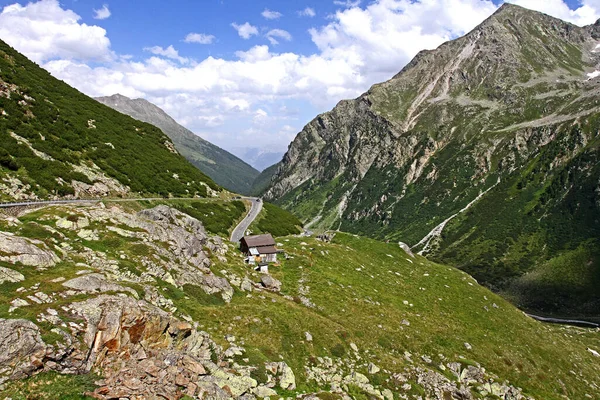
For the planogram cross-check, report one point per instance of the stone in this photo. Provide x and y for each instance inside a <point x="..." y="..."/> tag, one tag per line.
<point x="468" y="346"/>
<point x="96" y="283"/>
<point x="263" y="391"/>
<point x="373" y="369"/>
<point x="354" y="347"/>
<point x="30" y="252"/>
<point x="270" y="283"/>
<point x="16" y="303"/>
<point x="308" y="336"/>
<point x="287" y="381"/>
<point x="594" y="352"/>
<point x="87" y="234"/>
<point x="21" y="345"/>
<point x="9" y="275"/>
<point x="406" y="249"/>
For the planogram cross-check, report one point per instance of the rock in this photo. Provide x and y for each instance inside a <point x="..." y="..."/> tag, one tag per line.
<point x="263" y="391"/>
<point x="246" y="285"/>
<point x="287" y="381"/>
<point x="354" y="347"/>
<point x="373" y="369"/>
<point x="21" y="347"/>
<point x="308" y="336"/>
<point x="96" y="283"/>
<point x="16" y="303"/>
<point x="468" y="346"/>
<point x="594" y="352"/>
<point x="87" y="234"/>
<point x="9" y="275"/>
<point x="234" y="384"/>
<point x="214" y="284"/>
<point x="270" y="283"/>
<point x="406" y="249"/>
<point x="29" y="252"/>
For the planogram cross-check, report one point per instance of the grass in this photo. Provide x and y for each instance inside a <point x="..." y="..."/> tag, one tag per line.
<point x="276" y="221"/>
<point x="51" y="386"/>
<point x="358" y="288"/>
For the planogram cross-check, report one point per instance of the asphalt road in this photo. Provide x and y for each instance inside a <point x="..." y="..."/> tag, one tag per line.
<point x="88" y="201"/>
<point x="240" y="230"/>
<point x="575" y="322"/>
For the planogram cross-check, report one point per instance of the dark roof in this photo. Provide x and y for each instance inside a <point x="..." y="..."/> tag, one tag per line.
<point x="259" y="240"/>
<point x="267" y="250"/>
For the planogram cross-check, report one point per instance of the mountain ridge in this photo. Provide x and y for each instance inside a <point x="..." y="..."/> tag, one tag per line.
<point x="411" y="152"/>
<point x="225" y="168"/>
<point x="58" y="142"/>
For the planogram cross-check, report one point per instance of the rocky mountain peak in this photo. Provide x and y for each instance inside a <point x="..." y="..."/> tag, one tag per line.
<point x="405" y="158"/>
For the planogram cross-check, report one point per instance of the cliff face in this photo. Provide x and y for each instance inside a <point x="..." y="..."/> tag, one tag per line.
<point x="510" y="110"/>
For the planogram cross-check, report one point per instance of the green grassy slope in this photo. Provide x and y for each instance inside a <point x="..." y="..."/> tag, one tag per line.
<point x="262" y="181"/>
<point x="276" y="221"/>
<point x="399" y="311"/>
<point x="73" y="129"/>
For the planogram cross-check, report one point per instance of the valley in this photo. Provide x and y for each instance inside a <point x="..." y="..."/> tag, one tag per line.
<point x="435" y="238"/>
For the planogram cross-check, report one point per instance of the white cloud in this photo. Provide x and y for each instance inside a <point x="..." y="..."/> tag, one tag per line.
<point x="225" y="100"/>
<point x="347" y="3"/>
<point x="169" y="52"/>
<point x="268" y="14"/>
<point x="307" y="12"/>
<point x="245" y="30"/>
<point x="278" y="33"/>
<point x="587" y="13"/>
<point x="201" y="38"/>
<point x="102" y="13"/>
<point x="44" y="31"/>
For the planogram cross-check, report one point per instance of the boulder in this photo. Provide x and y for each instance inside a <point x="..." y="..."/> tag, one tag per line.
<point x="96" y="283"/>
<point x="21" y="347"/>
<point x="270" y="283"/>
<point x="29" y="252"/>
<point x="9" y="275"/>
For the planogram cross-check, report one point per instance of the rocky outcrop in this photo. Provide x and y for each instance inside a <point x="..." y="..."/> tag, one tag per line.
<point x="96" y="283"/>
<point x="21" y="349"/>
<point x="9" y="275"/>
<point x="30" y="252"/>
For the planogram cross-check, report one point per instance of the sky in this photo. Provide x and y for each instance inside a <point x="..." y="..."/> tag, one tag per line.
<point x="243" y="74"/>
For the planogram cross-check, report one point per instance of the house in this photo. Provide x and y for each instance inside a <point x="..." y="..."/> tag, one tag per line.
<point x="259" y="249"/>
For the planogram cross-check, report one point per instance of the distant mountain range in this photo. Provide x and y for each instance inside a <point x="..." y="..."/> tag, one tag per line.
<point x="259" y="158"/>
<point x="226" y="169"/>
<point x="483" y="153"/>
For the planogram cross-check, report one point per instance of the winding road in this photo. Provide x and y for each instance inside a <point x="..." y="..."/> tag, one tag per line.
<point x="236" y="235"/>
<point x="240" y="230"/>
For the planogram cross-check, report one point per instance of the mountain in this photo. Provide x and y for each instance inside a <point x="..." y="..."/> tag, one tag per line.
<point x="57" y="142"/>
<point x="482" y="153"/>
<point x="138" y="301"/>
<point x="259" y="158"/>
<point x="226" y="169"/>
<point x="262" y="181"/>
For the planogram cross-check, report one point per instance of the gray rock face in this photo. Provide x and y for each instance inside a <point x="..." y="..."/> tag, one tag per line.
<point x="26" y="251"/>
<point x="21" y="347"/>
<point x="9" y="275"/>
<point x="96" y="283"/>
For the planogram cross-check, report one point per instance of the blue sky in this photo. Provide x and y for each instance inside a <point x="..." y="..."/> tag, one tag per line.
<point x="253" y="87"/>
